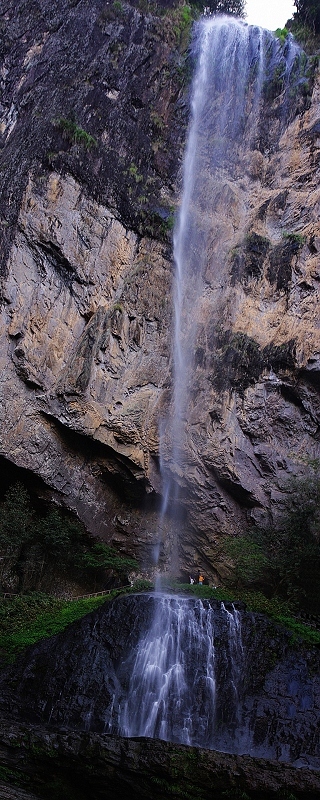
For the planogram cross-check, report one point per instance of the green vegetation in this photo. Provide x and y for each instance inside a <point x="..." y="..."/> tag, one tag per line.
<point x="133" y="171"/>
<point x="273" y="88"/>
<point x="169" y="222"/>
<point x="305" y="24"/>
<point x="110" y="12"/>
<point x="282" y="34"/>
<point x="276" y="609"/>
<point x="103" y="557"/>
<point x="75" y="134"/>
<point x="295" y="238"/>
<point x="37" y="548"/>
<point x="181" y="19"/>
<point x="157" y="121"/>
<point x="24" y="620"/>
<point x="233" y="7"/>
<point x="283" y="559"/>
<point x="308" y="13"/>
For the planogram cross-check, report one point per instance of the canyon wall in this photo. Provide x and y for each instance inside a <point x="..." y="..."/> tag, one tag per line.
<point x="93" y="118"/>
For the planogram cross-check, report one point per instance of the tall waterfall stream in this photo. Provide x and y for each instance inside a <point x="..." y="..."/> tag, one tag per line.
<point x="238" y="67"/>
<point x="185" y="683"/>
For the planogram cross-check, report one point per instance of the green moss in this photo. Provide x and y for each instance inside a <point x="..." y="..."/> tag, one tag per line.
<point x="75" y="134"/>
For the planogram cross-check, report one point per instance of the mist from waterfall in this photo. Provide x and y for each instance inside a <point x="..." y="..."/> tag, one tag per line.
<point x="235" y="62"/>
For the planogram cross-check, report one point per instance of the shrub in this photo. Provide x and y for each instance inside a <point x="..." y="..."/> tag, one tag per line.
<point x="284" y="558"/>
<point x="36" y="547"/>
<point x="308" y="13"/>
<point x="282" y="33"/>
<point x="75" y="134"/>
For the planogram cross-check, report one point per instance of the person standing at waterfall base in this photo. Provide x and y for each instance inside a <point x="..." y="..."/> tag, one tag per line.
<point x="200" y="578"/>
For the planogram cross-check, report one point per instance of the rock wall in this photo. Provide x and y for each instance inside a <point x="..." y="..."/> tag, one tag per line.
<point x="86" y="254"/>
<point x="266" y="702"/>
<point x="52" y="764"/>
<point x="86" y="316"/>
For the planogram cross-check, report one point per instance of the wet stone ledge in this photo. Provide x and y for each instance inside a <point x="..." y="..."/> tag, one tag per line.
<point x="42" y="764"/>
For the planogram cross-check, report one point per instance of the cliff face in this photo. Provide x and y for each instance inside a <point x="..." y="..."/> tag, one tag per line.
<point x="86" y="272"/>
<point x="266" y="695"/>
<point x="93" y="119"/>
<point x="53" y="764"/>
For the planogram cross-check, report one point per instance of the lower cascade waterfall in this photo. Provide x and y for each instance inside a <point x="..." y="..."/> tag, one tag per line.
<point x="185" y="675"/>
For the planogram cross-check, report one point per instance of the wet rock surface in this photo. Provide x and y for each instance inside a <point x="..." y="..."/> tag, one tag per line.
<point x="267" y="689"/>
<point x="87" y="313"/>
<point x="86" y="765"/>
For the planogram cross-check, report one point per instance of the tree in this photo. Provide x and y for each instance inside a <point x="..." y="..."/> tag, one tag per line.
<point x="308" y="13"/>
<point x="283" y="559"/>
<point x="233" y="7"/>
<point x="58" y="536"/>
<point x="102" y="558"/>
<point x="16" y="519"/>
<point x="37" y="550"/>
<point x="16" y="524"/>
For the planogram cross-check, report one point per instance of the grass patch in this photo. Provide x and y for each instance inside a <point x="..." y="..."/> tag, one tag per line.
<point x="27" y="619"/>
<point x="74" y="133"/>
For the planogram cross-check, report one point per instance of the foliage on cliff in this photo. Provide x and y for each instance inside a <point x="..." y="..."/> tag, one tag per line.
<point x="233" y="7"/>
<point x="308" y="12"/>
<point x="305" y="24"/>
<point x="284" y="558"/>
<point x="37" y="548"/>
<point x="24" y="620"/>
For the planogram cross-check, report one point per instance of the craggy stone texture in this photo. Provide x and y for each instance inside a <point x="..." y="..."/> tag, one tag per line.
<point x="86" y="263"/>
<point x="86" y="318"/>
<point x="8" y="792"/>
<point x="79" y="680"/>
<point x="83" y="765"/>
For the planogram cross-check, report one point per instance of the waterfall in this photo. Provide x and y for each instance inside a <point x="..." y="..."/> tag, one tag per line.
<point x="185" y="675"/>
<point x="235" y="63"/>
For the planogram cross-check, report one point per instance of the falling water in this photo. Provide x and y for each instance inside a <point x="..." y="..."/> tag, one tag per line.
<point x="187" y="670"/>
<point x="235" y="62"/>
<point x="181" y="688"/>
